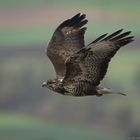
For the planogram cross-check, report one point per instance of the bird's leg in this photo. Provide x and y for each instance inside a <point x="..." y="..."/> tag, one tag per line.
<point x="99" y="94"/>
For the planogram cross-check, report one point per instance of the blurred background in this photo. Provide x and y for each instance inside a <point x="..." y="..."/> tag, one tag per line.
<point x="30" y="112"/>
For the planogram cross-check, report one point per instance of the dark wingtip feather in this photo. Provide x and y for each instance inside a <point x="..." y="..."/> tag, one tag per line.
<point x="102" y="37"/>
<point x="98" y="39"/>
<point x="82" y="23"/>
<point x="120" y="39"/>
<point x="76" y="21"/>
<point x="79" y="21"/>
<point x="113" y="35"/>
<point x="125" y="41"/>
<point x="77" y="15"/>
<point x="121" y="36"/>
<point x="82" y="16"/>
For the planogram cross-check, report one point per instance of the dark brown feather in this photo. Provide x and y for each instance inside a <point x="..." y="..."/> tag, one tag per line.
<point x="67" y="39"/>
<point x="92" y="61"/>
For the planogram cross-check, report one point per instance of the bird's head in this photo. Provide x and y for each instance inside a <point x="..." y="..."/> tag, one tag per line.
<point x="49" y="84"/>
<point x="54" y="85"/>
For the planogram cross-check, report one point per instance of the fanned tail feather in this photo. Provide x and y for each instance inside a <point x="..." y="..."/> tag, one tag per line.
<point x="103" y="90"/>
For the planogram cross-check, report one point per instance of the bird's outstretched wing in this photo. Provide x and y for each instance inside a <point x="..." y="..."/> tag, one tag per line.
<point x="67" y="39"/>
<point x="91" y="62"/>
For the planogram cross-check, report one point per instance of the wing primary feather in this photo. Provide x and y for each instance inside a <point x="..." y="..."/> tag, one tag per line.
<point x="98" y="39"/>
<point x="64" y="24"/>
<point x="124" y="41"/>
<point x="113" y="35"/>
<point x="68" y="22"/>
<point x="79" y="25"/>
<point x="76" y="21"/>
<point x="76" y="16"/>
<point x="121" y="36"/>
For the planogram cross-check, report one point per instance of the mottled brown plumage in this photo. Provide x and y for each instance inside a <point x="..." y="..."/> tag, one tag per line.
<point x="80" y="68"/>
<point x="67" y="39"/>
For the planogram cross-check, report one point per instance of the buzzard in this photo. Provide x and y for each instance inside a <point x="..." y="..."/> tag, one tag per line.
<point x="79" y="68"/>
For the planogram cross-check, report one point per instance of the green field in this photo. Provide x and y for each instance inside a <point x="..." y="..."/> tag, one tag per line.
<point x="18" y="127"/>
<point x="28" y="73"/>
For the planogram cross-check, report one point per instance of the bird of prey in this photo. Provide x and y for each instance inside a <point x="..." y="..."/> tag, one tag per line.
<point x="79" y="68"/>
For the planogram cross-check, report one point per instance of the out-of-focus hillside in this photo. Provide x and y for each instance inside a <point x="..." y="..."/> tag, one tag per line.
<point x="21" y="127"/>
<point x="33" y="22"/>
<point x="23" y="72"/>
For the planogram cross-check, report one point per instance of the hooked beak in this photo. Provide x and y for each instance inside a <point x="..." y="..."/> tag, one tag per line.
<point x="44" y="84"/>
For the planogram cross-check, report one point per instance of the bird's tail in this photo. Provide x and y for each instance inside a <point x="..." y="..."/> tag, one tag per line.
<point x="103" y="90"/>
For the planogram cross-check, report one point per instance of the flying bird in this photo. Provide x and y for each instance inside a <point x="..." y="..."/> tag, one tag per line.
<point x="80" y="68"/>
